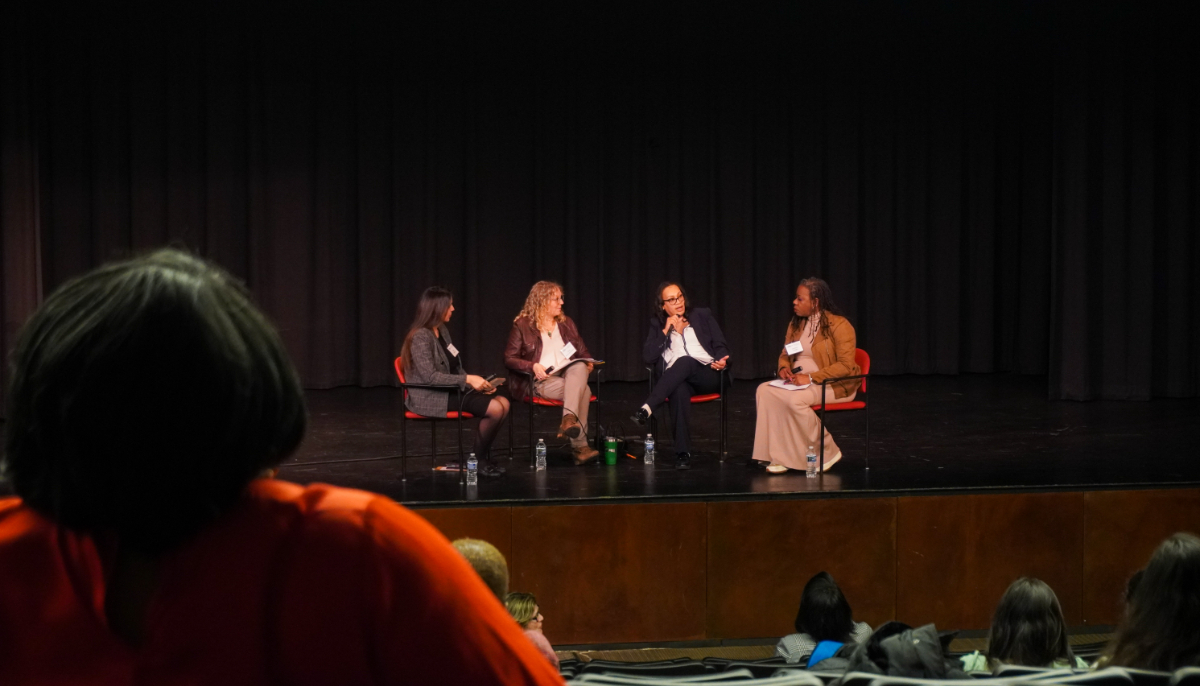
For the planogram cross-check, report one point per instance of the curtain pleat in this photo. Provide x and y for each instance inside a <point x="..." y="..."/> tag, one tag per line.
<point x="987" y="187"/>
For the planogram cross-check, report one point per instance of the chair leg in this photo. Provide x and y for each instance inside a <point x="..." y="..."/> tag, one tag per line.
<point x="596" y="434"/>
<point x="867" y="412"/>
<point x="652" y="426"/>
<point x="462" y="458"/>
<point x="532" y="448"/>
<point x="433" y="442"/>
<point x="821" y="433"/>
<point x="510" y="434"/>
<point x="724" y="422"/>
<point x="669" y="428"/>
<point x="724" y="415"/>
<point x="403" y="446"/>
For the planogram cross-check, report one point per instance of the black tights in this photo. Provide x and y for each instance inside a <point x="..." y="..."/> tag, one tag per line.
<point x="489" y="426"/>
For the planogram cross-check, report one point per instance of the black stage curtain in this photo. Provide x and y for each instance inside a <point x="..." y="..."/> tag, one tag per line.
<point x="988" y="187"/>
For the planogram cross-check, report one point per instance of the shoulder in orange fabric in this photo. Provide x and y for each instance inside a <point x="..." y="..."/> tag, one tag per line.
<point x="294" y="585"/>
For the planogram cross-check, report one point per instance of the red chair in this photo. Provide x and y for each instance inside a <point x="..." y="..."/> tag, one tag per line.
<point x="535" y="401"/>
<point x="455" y="415"/>
<point x="696" y="400"/>
<point x="863" y="360"/>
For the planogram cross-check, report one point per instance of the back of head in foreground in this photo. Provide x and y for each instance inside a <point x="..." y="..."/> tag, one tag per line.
<point x="1028" y="627"/>
<point x="824" y="612"/>
<point x="1161" y="627"/>
<point x="145" y="396"/>
<point x="488" y="562"/>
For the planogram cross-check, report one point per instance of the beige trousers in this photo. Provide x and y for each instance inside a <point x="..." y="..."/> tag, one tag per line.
<point x="571" y="388"/>
<point x="787" y="425"/>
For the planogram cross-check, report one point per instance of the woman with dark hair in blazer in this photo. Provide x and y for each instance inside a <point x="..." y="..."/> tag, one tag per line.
<point x="688" y="351"/>
<point x="430" y="358"/>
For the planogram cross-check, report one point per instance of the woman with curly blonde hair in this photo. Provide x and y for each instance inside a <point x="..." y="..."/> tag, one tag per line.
<point x="541" y="345"/>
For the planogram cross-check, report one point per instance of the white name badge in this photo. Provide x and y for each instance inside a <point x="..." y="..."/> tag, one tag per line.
<point x="567" y="350"/>
<point x="794" y="348"/>
<point x="452" y="349"/>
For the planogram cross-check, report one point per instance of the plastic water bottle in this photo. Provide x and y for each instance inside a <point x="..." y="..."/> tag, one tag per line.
<point x="472" y="470"/>
<point x="540" y="463"/>
<point x="649" y="455"/>
<point x="812" y="463"/>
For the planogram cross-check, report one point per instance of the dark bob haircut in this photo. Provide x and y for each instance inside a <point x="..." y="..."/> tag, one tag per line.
<point x="824" y="611"/>
<point x="145" y="396"/>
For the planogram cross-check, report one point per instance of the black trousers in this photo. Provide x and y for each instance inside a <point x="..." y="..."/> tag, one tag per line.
<point x="684" y="379"/>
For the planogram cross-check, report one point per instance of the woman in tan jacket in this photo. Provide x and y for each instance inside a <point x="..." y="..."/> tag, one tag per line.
<point x="819" y="345"/>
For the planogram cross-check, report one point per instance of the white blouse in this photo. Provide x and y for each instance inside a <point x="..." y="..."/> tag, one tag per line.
<point x="552" y="345"/>
<point x="686" y="345"/>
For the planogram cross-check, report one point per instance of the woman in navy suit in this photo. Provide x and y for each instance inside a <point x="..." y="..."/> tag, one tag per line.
<point x="688" y="352"/>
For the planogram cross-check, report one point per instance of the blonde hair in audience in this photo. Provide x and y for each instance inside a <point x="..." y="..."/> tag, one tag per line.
<point x="522" y="606"/>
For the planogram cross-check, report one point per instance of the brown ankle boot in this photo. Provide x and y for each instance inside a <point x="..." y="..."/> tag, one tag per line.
<point x="585" y="454"/>
<point x="569" y="427"/>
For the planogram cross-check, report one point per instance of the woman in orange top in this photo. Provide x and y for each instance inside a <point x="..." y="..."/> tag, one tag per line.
<point x="148" y="397"/>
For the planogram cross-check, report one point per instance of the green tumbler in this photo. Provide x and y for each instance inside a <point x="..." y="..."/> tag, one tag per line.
<point x="610" y="450"/>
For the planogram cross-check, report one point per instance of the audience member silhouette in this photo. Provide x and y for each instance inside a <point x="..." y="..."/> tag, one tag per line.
<point x="1161" y="626"/>
<point x="148" y="398"/>
<point x="488" y="562"/>
<point x="824" y="617"/>
<point x="524" y="608"/>
<point x="1027" y="629"/>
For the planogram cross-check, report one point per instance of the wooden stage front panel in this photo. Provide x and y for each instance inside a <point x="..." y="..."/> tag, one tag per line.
<point x="761" y="554"/>
<point x="957" y="554"/>
<point x="631" y="573"/>
<point x="1123" y="529"/>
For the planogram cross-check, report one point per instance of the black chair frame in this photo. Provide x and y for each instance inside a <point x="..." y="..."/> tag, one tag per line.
<point x="866" y="412"/>
<point x="595" y="416"/>
<point x="433" y="422"/>
<point x="724" y="409"/>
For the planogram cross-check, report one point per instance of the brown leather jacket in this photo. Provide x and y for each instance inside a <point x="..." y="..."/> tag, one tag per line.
<point x="525" y="348"/>
<point x="834" y="357"/>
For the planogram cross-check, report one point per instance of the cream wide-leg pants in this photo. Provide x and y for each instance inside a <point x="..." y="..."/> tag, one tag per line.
<point x="787" y="425"/>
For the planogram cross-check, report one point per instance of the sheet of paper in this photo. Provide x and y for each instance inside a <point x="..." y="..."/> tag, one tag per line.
<point x="794" y="348"/>
<point x="556" y="370"/>
<point x="780" y="383"/>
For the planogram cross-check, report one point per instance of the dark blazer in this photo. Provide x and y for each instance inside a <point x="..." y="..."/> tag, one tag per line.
<point x="429" y="365"/>
<point x="708" y="332"/>
<point x="525" y="348"/>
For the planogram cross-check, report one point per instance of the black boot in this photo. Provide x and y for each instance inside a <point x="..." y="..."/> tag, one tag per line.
<point x="683" y="460"/>
<point x="488" y="466"/>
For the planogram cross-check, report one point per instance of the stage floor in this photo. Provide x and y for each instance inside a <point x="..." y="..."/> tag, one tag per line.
<point x="929" y="435"/>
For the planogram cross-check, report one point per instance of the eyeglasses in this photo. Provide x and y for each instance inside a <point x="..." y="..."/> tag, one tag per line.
<point x="672" y="301"/>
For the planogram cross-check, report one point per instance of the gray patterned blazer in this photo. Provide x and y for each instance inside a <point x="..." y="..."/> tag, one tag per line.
<point x="429" y="365"/>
